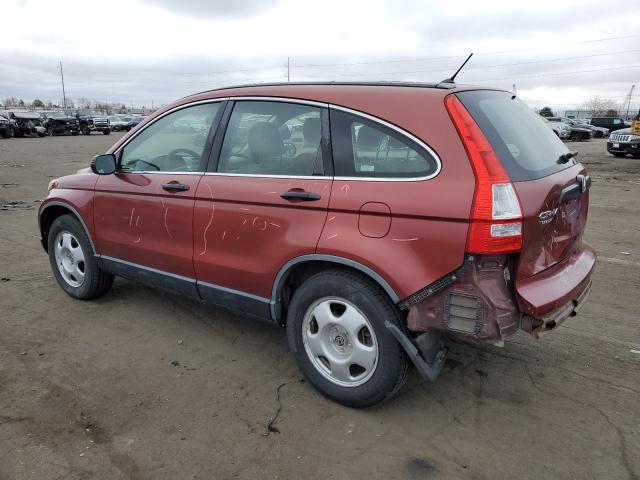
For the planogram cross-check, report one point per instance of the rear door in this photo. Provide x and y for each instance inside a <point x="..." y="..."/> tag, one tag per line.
<point x="553" y="193"/>
<point x="263" y="201"/>
<point x="144" y="212"/>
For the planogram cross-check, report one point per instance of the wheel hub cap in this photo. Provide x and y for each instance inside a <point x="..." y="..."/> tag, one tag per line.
<point x="340" y="341"/>
<point x="69" y="258"/>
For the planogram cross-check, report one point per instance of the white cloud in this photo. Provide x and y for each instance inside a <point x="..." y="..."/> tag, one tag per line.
<point x="160" y="49"/>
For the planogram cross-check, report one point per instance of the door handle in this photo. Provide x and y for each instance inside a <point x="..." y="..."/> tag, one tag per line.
<point x="175" y="187"/>
<point x="300" y="195"/>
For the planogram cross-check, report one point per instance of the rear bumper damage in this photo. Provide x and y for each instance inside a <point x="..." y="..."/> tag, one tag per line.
<point x="480" y="301"/>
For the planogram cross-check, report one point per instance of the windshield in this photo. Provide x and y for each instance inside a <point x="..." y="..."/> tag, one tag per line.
<point x="527" y="148"/>
<point x="55" y="114"/>
<point x="89" y="113"/>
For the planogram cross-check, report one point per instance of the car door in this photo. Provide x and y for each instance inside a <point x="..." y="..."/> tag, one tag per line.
<point x="144" y="212"/>
<point x="262" y="202"/>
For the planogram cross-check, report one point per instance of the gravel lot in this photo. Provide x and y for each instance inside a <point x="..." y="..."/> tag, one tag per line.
<point x="145" y="385"/>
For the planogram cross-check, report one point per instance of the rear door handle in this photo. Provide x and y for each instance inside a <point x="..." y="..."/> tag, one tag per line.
<point x="175" y="187"/>
<point x="298" y="195"/>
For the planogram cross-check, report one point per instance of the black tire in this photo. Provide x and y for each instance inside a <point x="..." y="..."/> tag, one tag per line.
<point x="106" y="132"/>
<point x="86" y="131"/>
<point x="6" y="133"/>
<point x="575" y="136"/>
<point x="619" y="155"/>
<point x="96" y="282"/>
<point x="599" y="134"/>
<point x="392" y="365"/>
<point x="74" y="133"/>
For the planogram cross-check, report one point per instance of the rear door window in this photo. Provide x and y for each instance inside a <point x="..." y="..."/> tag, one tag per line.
<point x="272" y="138"/>
<point x="527" y="148"/>
<point x="365" y="148"/>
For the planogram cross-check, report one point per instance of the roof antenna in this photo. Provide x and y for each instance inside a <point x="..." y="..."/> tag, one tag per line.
<point x="453" y="77"/>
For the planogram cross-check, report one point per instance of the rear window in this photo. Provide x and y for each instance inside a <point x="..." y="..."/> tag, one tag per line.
<point x="527" y="146"/>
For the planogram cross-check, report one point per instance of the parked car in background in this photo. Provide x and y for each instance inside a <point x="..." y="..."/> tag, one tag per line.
<point x="26" y="123"/>
<point x="91" y="121"/>
<point x="403" y="212"/>
<point x="60" y="123"/>
<point x="135" y="120"/>
<point x="612" y="123"/>
<point x="6" y="126"/>
<point x="623" y="142"/>
<point x="118" y="123"/>
<point x="562" y="130"/>
<point x="578" y="133"/>
<point x="598" y="132"/>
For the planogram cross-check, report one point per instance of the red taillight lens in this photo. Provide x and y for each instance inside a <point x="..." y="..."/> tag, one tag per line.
<point x="496" y="217"/>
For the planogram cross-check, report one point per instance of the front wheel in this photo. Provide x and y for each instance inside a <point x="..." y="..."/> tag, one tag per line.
<point x="106" y="132"/>
<point x="73" y="262"/>
<point x="336" y="329"/>
<point x="86" y="131"/>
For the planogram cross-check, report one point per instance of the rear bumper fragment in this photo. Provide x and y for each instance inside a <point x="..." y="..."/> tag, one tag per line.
<point x="552" y="289"/>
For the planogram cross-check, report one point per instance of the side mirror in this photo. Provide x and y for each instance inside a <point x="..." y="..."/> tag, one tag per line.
<point x="104" y="164"/>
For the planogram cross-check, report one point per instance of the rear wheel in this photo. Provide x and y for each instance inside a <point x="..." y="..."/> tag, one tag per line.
<point x="73" y="262"/>
<point x="599" y="134"/>
<point x="336" y="329"/>
<point x="6" y="133"/>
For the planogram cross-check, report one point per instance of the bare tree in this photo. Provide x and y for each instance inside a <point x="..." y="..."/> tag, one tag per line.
<point x="598" y="107"/>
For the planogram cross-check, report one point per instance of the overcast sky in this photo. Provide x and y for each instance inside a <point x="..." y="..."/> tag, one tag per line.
<point x="144" y="51"/>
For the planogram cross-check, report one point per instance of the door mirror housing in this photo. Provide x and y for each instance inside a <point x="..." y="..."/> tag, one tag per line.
<point x="104" y="164"/>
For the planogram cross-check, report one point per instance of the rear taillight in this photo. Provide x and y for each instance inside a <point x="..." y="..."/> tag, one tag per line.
<point x="496" y="218"/>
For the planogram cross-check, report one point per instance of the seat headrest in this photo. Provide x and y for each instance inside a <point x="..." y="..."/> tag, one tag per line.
<point x="265" y="140"/>
<point x="311" y="130"/>
<point x="369" y="137"/>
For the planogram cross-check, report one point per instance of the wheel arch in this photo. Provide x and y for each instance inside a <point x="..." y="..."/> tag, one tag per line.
<point x="53" y="210"/>
<point x="297" y="269"/>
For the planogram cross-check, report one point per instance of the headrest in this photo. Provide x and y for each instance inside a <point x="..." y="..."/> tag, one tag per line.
<point x="369" y="137"/>
<point x="265" y="140"/>
<point x="311" y="130"/>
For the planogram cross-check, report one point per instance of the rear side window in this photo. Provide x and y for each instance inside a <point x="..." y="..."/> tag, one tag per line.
<point x="365" y="148"/>
<point x="527" y="147"/>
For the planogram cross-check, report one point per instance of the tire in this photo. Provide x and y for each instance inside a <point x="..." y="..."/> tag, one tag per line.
<point x="575" y="136"/>
<point x="106" y="132"/>
<point x="86" y="131"/>
<point x="6" y="133"/>
<point x="353" y="311"/>
<point x="599" y="134"/>
<point x="74" y="133"/>
<point x="619" y="155"/>
<point x="73" y="262"/>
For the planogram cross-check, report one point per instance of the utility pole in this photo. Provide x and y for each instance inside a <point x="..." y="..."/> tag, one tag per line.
<point x="629" y="101"/>
<point x="64" y="95"/>
<point x="514" y="88"/>
<point x="288" y="68"/>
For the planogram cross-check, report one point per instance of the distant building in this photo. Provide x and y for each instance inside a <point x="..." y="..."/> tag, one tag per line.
<point x="577" y="114"/>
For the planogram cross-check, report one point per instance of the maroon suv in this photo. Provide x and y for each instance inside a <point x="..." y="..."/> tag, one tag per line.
<point x="368" y="219"/>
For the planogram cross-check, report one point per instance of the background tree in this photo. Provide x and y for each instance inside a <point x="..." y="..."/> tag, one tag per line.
<point x="546" y="112"/>
<point x="37" y="103"/>
<point x="611" y="113"/>
<point x="597" y="106"/>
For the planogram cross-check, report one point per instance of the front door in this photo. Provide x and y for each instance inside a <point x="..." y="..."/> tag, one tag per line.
<point x="144" y="212"/>
<point x="264" y="203"/>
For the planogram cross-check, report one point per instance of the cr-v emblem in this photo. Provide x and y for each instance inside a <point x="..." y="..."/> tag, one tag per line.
<point x="547" y="215"/>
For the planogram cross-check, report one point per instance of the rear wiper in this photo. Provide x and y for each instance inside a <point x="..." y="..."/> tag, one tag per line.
<point x="565" y="157"/>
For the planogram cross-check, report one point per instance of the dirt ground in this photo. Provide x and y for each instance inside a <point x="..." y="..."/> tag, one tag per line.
<point x="145" y="385"/>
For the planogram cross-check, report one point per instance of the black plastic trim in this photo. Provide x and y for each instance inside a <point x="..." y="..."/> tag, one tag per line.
<point x="278" y="284"/>
<point x="150" y="276"/>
